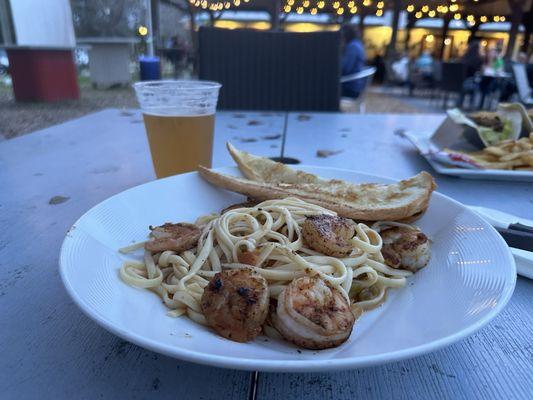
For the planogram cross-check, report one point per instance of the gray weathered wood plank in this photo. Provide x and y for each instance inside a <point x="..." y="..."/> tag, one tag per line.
<point x="496" y="362"/>
<point x="49" y="348"/>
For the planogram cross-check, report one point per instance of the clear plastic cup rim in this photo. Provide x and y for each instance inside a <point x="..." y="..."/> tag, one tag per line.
<point x="187" y="84"/>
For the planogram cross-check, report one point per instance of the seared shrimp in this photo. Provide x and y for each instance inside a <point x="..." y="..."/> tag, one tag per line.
<point x="313" y="314"/>
<point x="405" y="247"/>
<point x="176" y="237"/>
<point x="235" y="304"/>
<point x="329" y="235"/>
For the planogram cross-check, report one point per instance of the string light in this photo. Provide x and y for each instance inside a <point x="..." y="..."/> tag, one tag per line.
<point x="425" y="9"/>
<point x="320" y="4"/>
<point x="353" y="10"/>
<point x="431" y="14"/>
<point x="418" y="15"/>
<point x="410" y="8"/>
<point x="471" y="23"/>
<point x="340" y="11"/>
<point x="502" y="19"/>
<point x="380" y="5"/>
<point x="444" y="9"/>
<point x="336" y="5"/>
<point x="457" y="16"/>
<point x="287" y="8"/>
<point x="483" y="18"/>
<point x="454" y="7"/>
<point x="379" y="13"/>
<point x="430" y="38"/>
<point x="313" y="11"/>
<point x="290" y="2"/>
<point x="366" y="3"/>
<point x="305" y="3"/>
<point x="351" y="4"/>
<point x="221" y="5"/>
<point x="496" y="18"/>
<point x="143" y="30"/>
<point x="447" y="41"/>
<point x="299" y="10"/>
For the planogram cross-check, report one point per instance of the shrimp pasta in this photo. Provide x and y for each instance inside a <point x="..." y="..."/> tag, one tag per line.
<point x="269" y="238"/>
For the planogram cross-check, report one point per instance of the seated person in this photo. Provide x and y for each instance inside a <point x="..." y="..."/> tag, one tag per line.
<point x="353" y="61"/>
<point x="400" y="68"/>
<point x="424" y="64"/>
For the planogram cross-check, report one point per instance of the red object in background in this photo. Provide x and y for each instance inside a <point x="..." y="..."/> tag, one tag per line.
<point x="41" y="74"/>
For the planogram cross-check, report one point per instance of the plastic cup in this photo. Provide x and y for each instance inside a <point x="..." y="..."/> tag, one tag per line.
<point x="179" y="117"/>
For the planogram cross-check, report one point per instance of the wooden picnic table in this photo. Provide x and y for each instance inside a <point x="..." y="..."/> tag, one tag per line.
<point x="51" y="350"/>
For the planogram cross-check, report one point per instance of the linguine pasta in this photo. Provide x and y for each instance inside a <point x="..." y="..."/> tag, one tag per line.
<point x="272" y="230"/>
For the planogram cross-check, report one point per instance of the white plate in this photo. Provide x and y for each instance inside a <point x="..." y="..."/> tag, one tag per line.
<point x="470" y="278"/>
<point x="424" y="142"/>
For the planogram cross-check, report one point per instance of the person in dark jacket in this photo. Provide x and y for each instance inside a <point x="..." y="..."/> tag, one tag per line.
<point x="472" y="58"/>
<point x="353" y="60"/>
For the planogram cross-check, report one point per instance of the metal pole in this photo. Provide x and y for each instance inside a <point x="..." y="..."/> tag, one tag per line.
<point x="150" y="38"/>
<point x="516" y="18"/>
<point x="284" y="138"/>
<point x="274" y="15"/>
<point x="445" y="26"/>
<point x="391" y="48"/>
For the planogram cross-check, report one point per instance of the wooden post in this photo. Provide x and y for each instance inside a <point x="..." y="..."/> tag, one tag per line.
<point x="410" y="25"/>
<point x="473" y="30"/>
<point x="527" y="20"/>
<point x="445" y="26"/>
<point x="516" y="18"/>
<point x="397" y="8"/>
<point x="211" y="17"/>
<point x="274" y="15"/>
<point x="362" y="17"/>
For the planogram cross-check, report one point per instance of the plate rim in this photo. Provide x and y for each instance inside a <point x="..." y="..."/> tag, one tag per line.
<point x="285" y="365"/>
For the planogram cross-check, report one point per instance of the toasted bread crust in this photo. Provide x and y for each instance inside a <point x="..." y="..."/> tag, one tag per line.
<point x="364" y="202"/>
<point x="261" y="169"/>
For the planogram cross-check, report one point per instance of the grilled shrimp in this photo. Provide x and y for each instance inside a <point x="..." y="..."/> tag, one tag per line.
<point x="329" y="235"/>
<point x="313" y="314"/>
<point x="235" y="304"/>
<point x="176" y="237"/>
<point x="405" y="247"/>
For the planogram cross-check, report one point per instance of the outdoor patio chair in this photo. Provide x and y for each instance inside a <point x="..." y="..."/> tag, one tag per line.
<point x="348" y="103"/>
<point x="522" y="84"/>
<point x="453" y="75"/>
<point x="278" y="71"/>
